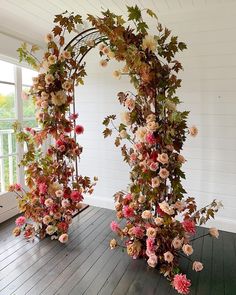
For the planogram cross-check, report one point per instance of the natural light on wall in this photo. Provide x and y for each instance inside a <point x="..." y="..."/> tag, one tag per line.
<point x="14" y="105"/>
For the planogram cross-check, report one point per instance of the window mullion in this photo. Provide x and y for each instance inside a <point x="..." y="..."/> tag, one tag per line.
<point x="19" y="116"/>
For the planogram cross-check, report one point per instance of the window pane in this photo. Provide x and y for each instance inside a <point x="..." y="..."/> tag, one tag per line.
<point x="7" y="104"/>
<point x="6" y="72"/>
<point x="27" y="76"/>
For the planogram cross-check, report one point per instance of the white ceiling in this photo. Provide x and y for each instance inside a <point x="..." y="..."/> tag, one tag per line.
<point x="30" y="20"/>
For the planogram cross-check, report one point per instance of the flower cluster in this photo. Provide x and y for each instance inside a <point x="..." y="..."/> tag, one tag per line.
<point x="55" y="188"/>
<point x="160" y="219"/>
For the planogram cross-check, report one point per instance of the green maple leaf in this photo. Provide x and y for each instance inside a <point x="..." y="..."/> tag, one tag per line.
<point x="151" y="13"/>
<point x="142" y="26"/>
<point x="134" y="13"/>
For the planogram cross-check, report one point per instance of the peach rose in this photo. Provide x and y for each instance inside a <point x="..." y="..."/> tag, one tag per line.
<point x="187" y="249"/>
<point x="103" y="63"/>
<point x="197" y="266"/>
<point x="141" y="199"/>
<point x="141" y="134"/>
<point x="113" y="244"/>
<point x="66" y="54"/>
<point x="164" y="173"/>
<point x="48" y="202"/>
<point x="49" y="79"/>
<point x="163" y="158"/>
<point x="147" y="214"/>
<point x="155" y="182"/>
<point x="48" y="38"/>
<point x="193" y="131"/>
<point x="181" y="159"/>
<point x="177" y="243"/>
<point x="116" y="74"/>
<point x="152" y="126"/>
<point x="168" y="256"/>
<point x="47" y="219"/>
<point x="151" y="118"/>
<point x="158" y="221"/>
<point x="151" y="232"/>
<point x="214" y="232"/>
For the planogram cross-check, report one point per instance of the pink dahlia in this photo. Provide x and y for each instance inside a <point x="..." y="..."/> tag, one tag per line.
<point x="138" y="232"/>
<point x="189" y="226"/>
<point x="76" y="196"/>
<point x="181" y="284"/>
<point x="128" y="212"/>
<point x="20" y="221"/>
<point x="79" y="129"/>
<point x="114" y="226"/>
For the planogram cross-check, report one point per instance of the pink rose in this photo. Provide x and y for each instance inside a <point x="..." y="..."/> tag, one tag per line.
<point x="181" y="284"/>
<point x="133" y="157"/>
<point x="189" y="226"/>
<point x="152" y="261"/>
<point x="153" y="166"/>
<point x="20" y="221"/>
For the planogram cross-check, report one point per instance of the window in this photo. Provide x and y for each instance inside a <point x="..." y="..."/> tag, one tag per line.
<point x="14" y="105"/>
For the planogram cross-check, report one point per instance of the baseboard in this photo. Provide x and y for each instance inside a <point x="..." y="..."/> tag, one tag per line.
<point x="97" y="201"/>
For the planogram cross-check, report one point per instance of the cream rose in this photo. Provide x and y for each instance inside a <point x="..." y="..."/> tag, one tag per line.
<point x="59" y="98"/>
<point x="150" y="43"/>
<point x="125" y="118"/>
<point x="51" y="229"/>
<point x="197" y="266"/>
<point x="168" y="256"/>
<point x="141" y="134"/>
<point x="165" y="207"/>
<point x="123" y="134"/>
<point x="52" y="59"/>
<point x="49" y="79"/>
<point x="130" y="103"/>
<point x="63" y="238"/>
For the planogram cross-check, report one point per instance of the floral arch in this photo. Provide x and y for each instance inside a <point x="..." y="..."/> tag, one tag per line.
<point x="159" y="218"/>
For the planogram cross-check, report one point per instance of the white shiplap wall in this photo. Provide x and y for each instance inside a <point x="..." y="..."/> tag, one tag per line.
<point x="208" y="91"/>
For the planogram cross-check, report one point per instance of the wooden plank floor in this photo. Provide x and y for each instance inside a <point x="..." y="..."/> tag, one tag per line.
<point x="86" y="265"/>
